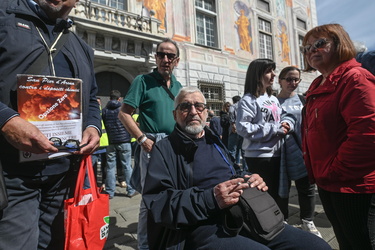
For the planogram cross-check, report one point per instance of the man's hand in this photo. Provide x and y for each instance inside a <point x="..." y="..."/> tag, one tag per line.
<point x="91" y="138"/>
<point x="228" y="193"/>
<point x="147" y="145"/>
<point x="24" y="136"/>
<point x="255" y="180"/>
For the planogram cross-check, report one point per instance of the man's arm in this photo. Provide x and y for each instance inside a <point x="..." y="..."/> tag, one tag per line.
<point x="24" y="136"/>
<point x="125" y="116"/>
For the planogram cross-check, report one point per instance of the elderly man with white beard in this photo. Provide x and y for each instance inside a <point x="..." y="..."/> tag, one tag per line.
<point x="189" y="184"/>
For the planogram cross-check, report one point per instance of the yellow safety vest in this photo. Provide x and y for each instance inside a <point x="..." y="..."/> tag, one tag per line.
<point x="104" y="138"/>
<point x="135" y="118"/>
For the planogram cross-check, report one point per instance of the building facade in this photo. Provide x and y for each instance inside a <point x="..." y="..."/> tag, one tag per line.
<point x="217" y="39"/>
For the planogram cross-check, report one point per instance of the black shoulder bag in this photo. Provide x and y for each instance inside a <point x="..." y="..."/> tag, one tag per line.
<point x="256" y="215"/>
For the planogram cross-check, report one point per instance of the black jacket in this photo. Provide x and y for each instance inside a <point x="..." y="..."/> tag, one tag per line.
<point x="115" y="130"/>
<point x="175" y="206"/>
<point x="20" y="46"/>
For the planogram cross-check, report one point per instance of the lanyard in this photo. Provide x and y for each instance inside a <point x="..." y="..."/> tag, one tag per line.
<point x="52" y="49"/>
<point x="225" y="159"/>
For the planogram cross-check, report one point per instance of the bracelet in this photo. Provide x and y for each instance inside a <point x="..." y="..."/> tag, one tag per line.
<point x="141" y="137"/>
<point x="143" y="140"/>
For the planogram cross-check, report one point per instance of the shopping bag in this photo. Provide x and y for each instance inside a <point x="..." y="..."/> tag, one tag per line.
<point x="87" y="213"/>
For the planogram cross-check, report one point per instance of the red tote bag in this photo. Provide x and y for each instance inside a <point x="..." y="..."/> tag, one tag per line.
<point x="87" y="213"/>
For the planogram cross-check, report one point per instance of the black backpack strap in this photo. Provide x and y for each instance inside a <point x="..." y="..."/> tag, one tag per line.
<point x="162" y="83"/>
<point x="168" y="91"/>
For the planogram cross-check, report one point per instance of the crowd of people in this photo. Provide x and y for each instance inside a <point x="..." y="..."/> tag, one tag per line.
<point x="324" y="138"/>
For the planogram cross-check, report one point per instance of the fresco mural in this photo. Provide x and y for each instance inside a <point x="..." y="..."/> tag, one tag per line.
<point x="243" y="26"/>
<point x="280" y="8"/>
<point x="158" y="6"/>
<point x="284" y="40"/>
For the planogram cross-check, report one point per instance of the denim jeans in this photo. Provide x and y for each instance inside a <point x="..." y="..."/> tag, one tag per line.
<point x="306" y="198"/>
<point x="142" y="219"/>
<point x="123" y="152"/>
<point x="235" y="149"/>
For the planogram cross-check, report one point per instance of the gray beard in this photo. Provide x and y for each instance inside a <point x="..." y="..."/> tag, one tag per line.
<point x="52" y="11"/>
<point x="193" y="130"/>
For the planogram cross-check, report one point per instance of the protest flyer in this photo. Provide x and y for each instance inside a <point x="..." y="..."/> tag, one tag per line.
<point x="53" y="105"/>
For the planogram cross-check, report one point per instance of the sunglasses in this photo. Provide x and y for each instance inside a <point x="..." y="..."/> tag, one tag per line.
<point x="186" y="107"/>
<point x="161" y="55"/>
<point x="69" y="145"/>
<point x="291" y="79"/>
<point x="320" y="43"/>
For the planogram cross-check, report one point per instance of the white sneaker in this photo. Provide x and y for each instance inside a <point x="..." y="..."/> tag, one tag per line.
<point x="309" y="226"/>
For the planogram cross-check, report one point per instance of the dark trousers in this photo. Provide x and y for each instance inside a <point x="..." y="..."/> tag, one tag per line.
<point x="291" y="238"/>
<point x="351" y="216"/>
<point x="306" y="198"/>
<point x="269" y="170"/>
<point x="34" y="217"/>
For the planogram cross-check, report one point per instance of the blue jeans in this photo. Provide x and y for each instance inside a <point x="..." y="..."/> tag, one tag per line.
<point x="142" y="219"/>
<point x="123" y="152"/>
<point x="235" y="149"/>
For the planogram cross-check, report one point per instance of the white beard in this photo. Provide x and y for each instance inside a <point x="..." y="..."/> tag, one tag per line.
<point x="194" y="129"/>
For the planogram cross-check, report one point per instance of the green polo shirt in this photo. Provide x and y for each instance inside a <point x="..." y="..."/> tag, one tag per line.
<point x="155" y="105"/>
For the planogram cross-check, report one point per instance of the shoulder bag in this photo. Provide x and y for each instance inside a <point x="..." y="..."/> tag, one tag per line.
<point x="256" y="215"/>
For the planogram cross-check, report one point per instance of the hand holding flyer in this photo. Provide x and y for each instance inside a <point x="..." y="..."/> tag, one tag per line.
<point x="53" y="105"/>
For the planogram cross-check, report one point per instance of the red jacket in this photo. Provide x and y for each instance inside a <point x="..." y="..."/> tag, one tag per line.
<point x="339" y="130"/>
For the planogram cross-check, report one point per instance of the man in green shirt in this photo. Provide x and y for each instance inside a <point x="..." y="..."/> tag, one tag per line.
<point x="153" y="94"/>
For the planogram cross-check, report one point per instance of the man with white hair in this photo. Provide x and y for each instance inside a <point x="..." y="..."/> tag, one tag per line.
<point x="188" y="186"/>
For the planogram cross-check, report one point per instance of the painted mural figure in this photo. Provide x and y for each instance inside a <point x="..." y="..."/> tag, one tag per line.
<point x="284" y="45"/>
<point x="159" y="7"/>
<point x="243" y="31"/>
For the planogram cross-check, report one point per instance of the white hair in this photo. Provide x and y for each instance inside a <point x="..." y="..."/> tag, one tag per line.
<point x="187" y="90"/>
<point x="359" y="47"/>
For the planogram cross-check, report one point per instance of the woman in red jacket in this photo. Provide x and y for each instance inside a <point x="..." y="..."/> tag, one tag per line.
<point x="339" y="135"/>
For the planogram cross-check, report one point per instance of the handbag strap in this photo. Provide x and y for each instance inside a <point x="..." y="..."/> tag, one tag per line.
<point x="162" y="83"/>
<point x="86" y="167"/>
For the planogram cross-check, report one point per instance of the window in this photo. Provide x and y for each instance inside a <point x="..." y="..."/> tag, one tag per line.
<point x="302" y="59"/>
<point x="301" y="24"/>
<point x="117" y="4"/>
<point x="264" y="5"/>
<point x="265" y="39"/>
<point x="206" y="22"/>
<point x="214" y="94"/>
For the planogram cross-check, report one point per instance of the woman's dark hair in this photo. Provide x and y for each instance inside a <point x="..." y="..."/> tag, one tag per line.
<point x="344" y="46"/>
<point x="254" y="76"/>
<point x="286" y="70"/>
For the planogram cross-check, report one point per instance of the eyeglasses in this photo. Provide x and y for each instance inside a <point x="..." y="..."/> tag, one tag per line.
<point x="320" y="43"/>
<point x="291" y="79"/>
<point x="186" y="107"/>
<point x="170" y="56"/>
<point x="68" y="145"/>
